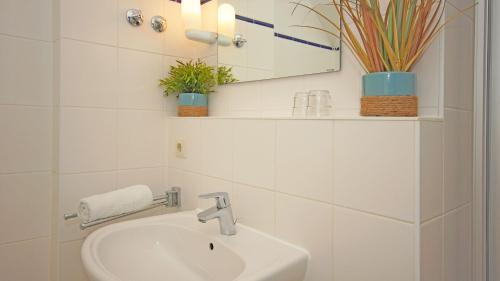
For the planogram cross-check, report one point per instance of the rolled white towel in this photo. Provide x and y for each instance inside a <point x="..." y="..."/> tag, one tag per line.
<point x="116" y="202"/>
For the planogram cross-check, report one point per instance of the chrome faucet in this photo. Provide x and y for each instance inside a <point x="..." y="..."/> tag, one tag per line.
<point x="221" y="211"/>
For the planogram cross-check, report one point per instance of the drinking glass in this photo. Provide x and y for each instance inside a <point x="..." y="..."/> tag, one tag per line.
<point x="320" y="103"/>
<point x="300" y="104"/>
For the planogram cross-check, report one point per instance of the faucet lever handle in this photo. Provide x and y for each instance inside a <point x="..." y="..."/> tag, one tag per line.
<point x="221" y="198"/>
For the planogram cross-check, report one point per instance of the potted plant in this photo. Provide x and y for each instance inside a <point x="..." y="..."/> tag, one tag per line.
<point x="192" y="81"/>
<point x="387" y="43"/>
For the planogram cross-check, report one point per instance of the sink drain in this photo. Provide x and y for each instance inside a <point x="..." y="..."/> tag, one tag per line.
<point x="211" y="246"/>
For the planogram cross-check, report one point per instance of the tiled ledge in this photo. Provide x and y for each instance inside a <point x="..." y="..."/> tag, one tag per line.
<point x="333" y="117"/>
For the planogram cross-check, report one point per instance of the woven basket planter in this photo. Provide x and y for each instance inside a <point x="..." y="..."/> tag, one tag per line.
<point x="389" y="94"/>
<point x="192" y="111"/>
<point x="192" y="105"/>
<point x="389" y="106"/>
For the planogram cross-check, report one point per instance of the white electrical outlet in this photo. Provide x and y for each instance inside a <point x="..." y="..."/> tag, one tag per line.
<point x="180" y="149"/>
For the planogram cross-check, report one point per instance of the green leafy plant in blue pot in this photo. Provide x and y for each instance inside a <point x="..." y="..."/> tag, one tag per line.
<point x="192" y="81"/>
<point x="388" y="38"/>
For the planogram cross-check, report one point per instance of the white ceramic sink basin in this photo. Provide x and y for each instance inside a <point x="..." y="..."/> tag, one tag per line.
<point x="176" y="247"/>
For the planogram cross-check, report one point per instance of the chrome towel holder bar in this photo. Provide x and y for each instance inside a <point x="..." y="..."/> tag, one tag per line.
<point x="170" y="199"/>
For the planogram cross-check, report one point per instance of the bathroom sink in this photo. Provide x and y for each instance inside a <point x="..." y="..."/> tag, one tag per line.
<point x="176" y="247"/>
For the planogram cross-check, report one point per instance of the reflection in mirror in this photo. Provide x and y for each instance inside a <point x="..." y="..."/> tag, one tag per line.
<point x="269" y="41"/>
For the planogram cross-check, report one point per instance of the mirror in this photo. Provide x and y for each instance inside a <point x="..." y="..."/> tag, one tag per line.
<point x="269" y="42"/>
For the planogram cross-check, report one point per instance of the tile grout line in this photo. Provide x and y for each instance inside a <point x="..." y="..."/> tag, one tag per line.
<point x="15" y="36"/>
<point x="443" y="143"/>
<point x="457" y="109"/>
<point x="458" y="208"/>
<point x="108" y="171"/>
<point x="298" y="196"/>
<point x="117" y="46"/>
<point x="23" y="173"/>
<point x="33" y="106"/>
<point x="369" y="213"/>
<point x="117" y="23"/>
<point x="117" y="77"/>
<point x="233" y="133"/>
<point x="109" y="108"/>
<point x="458" y="10"/>
<point x="442" y="215"/>
<point x="417" y="188"/>
<point x="328" y="118"/>
<point x="332" y="235"/>
<point x="72" y="240"/>
<point x="10" y="243"/>
<point x="275" y="177"/>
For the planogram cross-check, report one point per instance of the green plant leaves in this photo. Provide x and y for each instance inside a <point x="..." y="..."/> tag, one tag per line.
<point x="225" y="75"/>
<point x="390" y="40"/>
<point x="195" y="77"/>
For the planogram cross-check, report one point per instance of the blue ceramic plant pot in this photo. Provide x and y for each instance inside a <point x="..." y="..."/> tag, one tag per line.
<point x="193" y="99"/>
<point x="192" y="104"/>
<point x="389" y="84"/>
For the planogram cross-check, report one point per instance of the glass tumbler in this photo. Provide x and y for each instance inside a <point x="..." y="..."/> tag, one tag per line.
<point x="300" y="104"/>
<point x="320" y="103"/>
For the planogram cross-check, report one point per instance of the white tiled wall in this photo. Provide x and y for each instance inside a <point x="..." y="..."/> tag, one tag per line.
<point x="16" y="192"/>
<point x="38" y="19"/>
<point x="26" y="95"/>
<point x="263" y="217"/>
<point x="25" y="260"/>
<point x="304" y="159"/>
<point x="216" y="148"/>
<point x="308" y="224"/>
<point x="446" y="197"/>
<point x="326" y="185"/>
<point x="445" y="90"/>
<point x="254" y="142"/>
<point x="110" y="132"/>
<point x="274" y="97"/>
<point x="111" y="129"/>
<point x="27" y="59"/>
<point x="368" y="247"/>
<point x="444" y="79"/>
<point x="374" y="172"/>
<point x="446" y="163"/>
<point x="71" y="266"/>
<point x="28" y="138"/>
<point x="458" y="244"/>
<point x="366" y="197"/>
<point x="432" y="169"/>
<point x="432" y="250"/>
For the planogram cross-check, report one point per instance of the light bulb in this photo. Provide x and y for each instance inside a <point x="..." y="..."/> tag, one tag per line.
<point x="191" y="14"/>
<point x="226" y="20"/>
